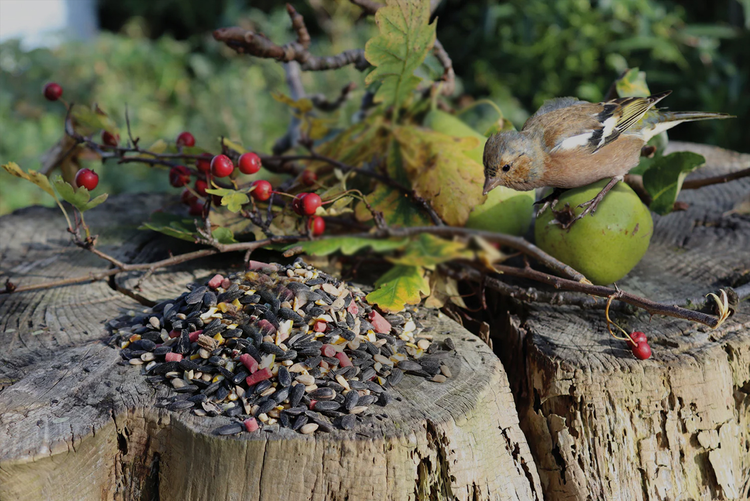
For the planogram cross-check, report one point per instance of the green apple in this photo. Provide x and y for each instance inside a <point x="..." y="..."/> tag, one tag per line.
<point x="605" y="245"/>
<point x="505" y="210"/>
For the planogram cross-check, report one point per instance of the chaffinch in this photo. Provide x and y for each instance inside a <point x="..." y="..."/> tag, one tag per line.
<point x="570" y="143"/>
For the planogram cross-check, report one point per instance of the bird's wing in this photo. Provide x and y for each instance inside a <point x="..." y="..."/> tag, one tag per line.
<point x="571" y="124"/>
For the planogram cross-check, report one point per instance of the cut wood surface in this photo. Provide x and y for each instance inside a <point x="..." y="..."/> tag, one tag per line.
<point x="77" y="424"/>
<point x="605" y="426"/>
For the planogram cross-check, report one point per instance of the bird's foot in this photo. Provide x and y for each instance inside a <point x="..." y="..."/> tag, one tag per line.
<point x="549" y="201"/>
<point x="590" y="206"/>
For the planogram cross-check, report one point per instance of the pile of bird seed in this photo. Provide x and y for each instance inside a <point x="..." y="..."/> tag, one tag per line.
<point x="280" y="346"/>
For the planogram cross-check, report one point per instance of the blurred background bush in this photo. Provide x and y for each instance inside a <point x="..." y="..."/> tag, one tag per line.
<point x="158" y="58"/>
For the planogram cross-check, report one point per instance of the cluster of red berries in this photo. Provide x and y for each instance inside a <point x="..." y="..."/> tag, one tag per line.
<point x="306" y="204"/>
<point x="639" y="345"/>
<point x="219" y="166"/>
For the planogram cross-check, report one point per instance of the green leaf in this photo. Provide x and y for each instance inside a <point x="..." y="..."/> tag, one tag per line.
<point x="441" y="172"/>
<point x="224" y="236"/>
<point x="348" y="245"/>
<point x="231" y="199"/>
<point x="403" y="43"/>
<point x="664" y="178"/>
<point x="171" y="225"/>
<point x="428" y="250"/>
<point x="77" y="197"/>
<point x="402" y="285"/>
<point x="32" y="176"/>
<point x="632" y="84"/>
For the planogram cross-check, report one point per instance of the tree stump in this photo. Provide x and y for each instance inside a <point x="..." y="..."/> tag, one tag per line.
<point x="77" y="424"/>
<point x="605" y="426"/>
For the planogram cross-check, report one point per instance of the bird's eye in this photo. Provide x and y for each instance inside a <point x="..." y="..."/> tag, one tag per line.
<point x="506" y="167"/>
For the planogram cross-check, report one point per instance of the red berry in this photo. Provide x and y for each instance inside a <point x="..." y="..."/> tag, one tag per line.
<point x="297" y="203"/>
<point x="185" y="139"/>
<point x="310" y="203"/>
<point x="196" y="208"/>
<point x="200" y="187"/>
<point x="249" y="163"/>
<point x="262" y="190"/>
<point x="317" y="225"/>
<point x="204" y="164"/>
<point x="110" y="139"/>
<point x="642" y="351"/>
<point x="87" y="178"/>
<point x="221" y="166"/>
<point x="53" y="91"/>
<point x="637" y="337"/>
<point x="309" y="178"/>
<point x="188" y="197"/>
<point x="179" y="176"/>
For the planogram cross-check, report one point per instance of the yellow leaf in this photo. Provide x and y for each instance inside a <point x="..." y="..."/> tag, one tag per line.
<point x="234" y="146"/>
<point x="304" y="105"/>
<point x="444" y="289"/>
<point x="160" y="146"/>
<point x="428" y="250"/>
<point x="31" y="176"/>
<point x="440" y="171"/>
<point x="402" y="285"/>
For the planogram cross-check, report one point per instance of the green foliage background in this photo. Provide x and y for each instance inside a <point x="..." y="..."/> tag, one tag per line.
<point x="516" y="52"/>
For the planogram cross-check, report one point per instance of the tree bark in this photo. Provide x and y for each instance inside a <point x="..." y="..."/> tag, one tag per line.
<point x="603" y="425"/>
<point x="76" y="423"/>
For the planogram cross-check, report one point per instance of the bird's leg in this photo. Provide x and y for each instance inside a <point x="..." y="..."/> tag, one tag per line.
<point x="550" y="200"/>
<point x="592" y="204"/>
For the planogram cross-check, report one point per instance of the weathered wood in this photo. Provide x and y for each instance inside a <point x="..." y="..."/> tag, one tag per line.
<point x="75" y="423"/>
<point x="603" y="425"/>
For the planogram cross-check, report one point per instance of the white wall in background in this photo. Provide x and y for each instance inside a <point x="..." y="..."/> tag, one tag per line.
<point x="46" y="22"/>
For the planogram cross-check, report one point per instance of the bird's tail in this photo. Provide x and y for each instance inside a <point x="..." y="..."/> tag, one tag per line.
<point x="657" y="121"/>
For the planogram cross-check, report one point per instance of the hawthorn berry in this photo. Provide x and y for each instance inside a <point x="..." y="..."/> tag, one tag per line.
<point x="637" y="337"/>
<point x="310" y="203"/>
<point x="204" y="164"/>
<point x="188" y="197"/>
<point x="196" y="208"/>
<point x="53" y="91"/>
<point x="185" y="139"/>
<point x="87" y="178"/>
<point x="317" y="225"/>
<point x="179" y="176"/>
<point x="309" y="178"/>
<point x="200" y="187"/>
<point x="642" y="350"/>
<point x="297" y="203"/>
<point x="110" y="139"/>
<point x="262" y="190"/>
<point x="249" y="163"/>
<point x="221" y="166"/>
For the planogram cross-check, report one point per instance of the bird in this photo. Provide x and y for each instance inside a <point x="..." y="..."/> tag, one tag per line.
<point x="569" y="143"/>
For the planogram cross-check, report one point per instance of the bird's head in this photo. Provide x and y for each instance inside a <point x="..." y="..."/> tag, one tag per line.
<point x="512" y="159"/>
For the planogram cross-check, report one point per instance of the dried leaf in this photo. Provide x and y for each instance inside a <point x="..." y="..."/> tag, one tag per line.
<point x="31" y="176"/>
<point x="440" y="171"/>
<point x="444" y="289"/>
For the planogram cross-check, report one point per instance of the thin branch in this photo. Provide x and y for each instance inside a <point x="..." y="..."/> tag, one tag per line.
<point x="449" y="75"/>
<point x="694" y="184"/>
<point x="654" y="308"/>
<point x="258" y="45"/>
<point x="321" y="102"/>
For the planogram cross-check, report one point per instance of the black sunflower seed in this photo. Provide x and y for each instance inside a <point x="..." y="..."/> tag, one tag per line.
<point x="295" y="397"/>
<point x="285" y="379"/>
<point x="351" y="400"/>
<point x="229" y="429"/>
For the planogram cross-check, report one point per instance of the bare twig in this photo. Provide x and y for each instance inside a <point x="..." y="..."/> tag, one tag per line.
<point x="258" y="45"/>
<point x="321" y="102"/>
<point x="694" y="184"/>
<point x="449" y="76"/>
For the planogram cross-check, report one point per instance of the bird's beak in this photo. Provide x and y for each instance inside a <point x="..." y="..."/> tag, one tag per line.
<point x="489" y="185"/>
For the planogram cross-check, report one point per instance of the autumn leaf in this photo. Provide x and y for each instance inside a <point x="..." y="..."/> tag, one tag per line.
<point x="440" y="171"/>
<point x="402" y="285"/>
<point x="31" y="176"/>
<point x="444" y="289"/>
<point x="404" y="39"/>
<point x="397" y="207"/>
<point x="632" y="84"/>
<point x="349" y="245"/>
<point x="428" y="250"/>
